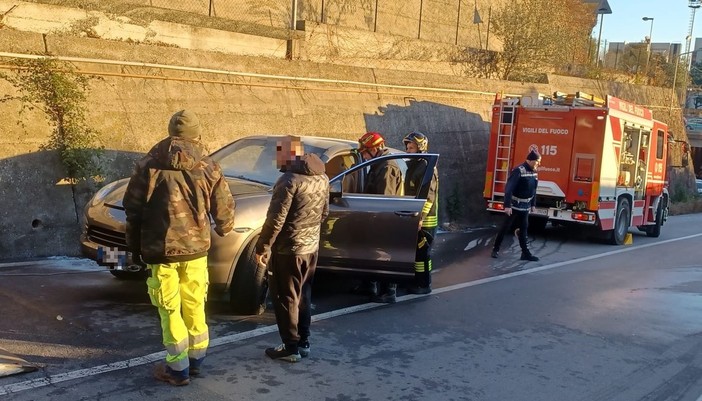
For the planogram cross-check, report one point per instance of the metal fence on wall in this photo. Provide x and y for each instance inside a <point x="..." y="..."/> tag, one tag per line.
<point x="460" y="22"/>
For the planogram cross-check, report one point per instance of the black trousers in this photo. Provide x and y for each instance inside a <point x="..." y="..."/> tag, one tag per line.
<point x="290" y="280"/>
<point x="520" y="220"/>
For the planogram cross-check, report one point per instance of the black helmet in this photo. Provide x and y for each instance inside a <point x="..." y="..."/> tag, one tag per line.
<point x="418" y="138"/>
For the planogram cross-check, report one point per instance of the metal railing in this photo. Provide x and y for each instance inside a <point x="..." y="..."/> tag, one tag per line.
<point x="448" y="21"/>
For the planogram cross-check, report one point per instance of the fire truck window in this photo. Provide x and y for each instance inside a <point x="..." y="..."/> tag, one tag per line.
<point x="584" y="169"/>
<point x="659" y="144"/>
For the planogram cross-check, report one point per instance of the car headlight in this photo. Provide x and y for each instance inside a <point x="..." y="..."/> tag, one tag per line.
<point x="102" y="193"/>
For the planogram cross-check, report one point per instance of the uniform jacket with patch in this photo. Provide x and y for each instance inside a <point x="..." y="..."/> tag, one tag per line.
<point x="520" y="191"/>
<point x="384" y="178"/>
<point x="415" y="173"/>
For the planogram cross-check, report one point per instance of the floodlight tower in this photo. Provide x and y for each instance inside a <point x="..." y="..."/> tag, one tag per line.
<point x="694" y="5"/>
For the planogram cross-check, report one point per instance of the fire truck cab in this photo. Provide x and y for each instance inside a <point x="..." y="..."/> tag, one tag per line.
<point x="603" y="161"/>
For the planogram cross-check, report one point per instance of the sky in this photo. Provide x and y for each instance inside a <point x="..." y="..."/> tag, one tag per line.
<point x="671" y="21"/>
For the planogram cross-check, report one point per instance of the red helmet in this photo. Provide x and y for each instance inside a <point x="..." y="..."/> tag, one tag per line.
<point x="371" y="140"/>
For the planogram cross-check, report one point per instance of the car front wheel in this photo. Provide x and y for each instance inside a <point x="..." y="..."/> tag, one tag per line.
<point x="249" y="285"/>
<point x="130" y="275"/>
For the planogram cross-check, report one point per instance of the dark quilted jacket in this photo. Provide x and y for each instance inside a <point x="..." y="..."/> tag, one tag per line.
<point x="169" y="197"/>
<point x="299" y="205"/>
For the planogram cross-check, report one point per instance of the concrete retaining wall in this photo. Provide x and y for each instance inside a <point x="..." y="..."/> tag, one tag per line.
<point x="130" y="105"/>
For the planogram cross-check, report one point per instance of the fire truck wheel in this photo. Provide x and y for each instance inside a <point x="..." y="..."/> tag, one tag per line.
<point x="621" y="223"/>
<point x="537" y="224"/>
<point x="655" y="230"/>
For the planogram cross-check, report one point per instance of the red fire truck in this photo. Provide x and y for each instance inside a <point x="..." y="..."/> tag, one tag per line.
<point x="603" y="161"/>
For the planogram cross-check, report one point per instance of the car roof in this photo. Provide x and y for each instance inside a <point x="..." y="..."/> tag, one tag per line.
<point x="333" y="145"/>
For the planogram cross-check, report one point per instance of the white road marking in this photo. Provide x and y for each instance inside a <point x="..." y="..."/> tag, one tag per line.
<point x="232" y="338"/>
<point x="471" y="245"/>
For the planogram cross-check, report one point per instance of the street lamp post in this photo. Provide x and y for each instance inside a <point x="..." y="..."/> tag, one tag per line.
<point x="650" y="42"/>
<point x="601" y="10"/>
<point x="599" y="37"/>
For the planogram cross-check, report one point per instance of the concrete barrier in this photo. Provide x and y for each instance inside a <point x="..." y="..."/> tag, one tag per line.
<point x="237" y="95"/>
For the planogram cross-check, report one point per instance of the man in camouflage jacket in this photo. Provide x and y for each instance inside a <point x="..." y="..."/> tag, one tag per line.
<point x="290" y="235"/>
<point x="169" y="198"/>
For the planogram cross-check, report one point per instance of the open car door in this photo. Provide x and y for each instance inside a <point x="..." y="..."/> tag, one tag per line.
<point x="368" y="234"/>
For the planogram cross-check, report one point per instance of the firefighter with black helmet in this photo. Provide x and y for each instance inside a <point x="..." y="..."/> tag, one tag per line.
<point x="417" y="142"/>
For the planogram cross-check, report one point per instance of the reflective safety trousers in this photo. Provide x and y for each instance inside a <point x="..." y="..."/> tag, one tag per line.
<point x="179" y="291"/>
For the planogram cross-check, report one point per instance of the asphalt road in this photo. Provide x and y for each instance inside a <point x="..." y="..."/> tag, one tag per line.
<point x="588" y="322"/>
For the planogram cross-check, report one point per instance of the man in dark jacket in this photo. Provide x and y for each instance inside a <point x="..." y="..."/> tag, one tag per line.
<point x="168" y="199"/>
<point x="520" y="198"/>
<point x="416" y="142"/>
<point x="384" y="178"/>
<point x="290" y="235"/>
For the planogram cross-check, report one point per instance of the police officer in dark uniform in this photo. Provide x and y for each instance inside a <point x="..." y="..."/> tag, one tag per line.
<point x="520" y="198"/>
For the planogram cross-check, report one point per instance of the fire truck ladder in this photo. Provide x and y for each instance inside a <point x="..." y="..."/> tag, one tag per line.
<point x="503" y="150"/>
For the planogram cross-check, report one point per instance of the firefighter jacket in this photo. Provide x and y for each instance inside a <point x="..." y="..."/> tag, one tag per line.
<point x="384" y="178"/>
<point x="520" y="191"/>
<point x="168" y="199"/>
<point x="299" y="205"/>
<point x="415" y="172"/>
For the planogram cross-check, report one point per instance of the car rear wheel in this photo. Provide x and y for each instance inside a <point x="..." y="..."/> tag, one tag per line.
<point x="249" y="287"/>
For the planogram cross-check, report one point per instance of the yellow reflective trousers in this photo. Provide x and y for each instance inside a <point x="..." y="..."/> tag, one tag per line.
<point x="179" y="291"/>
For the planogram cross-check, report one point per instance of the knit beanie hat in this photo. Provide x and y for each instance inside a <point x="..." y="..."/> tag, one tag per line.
<point x="184" y="124"/>
<point x="533" y="155"/>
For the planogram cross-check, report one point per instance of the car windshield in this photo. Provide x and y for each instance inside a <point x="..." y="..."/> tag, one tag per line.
<point x="253" y="159"/>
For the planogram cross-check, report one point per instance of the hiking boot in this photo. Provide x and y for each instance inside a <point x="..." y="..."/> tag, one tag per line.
<point x="303" y="347"/>
<point x="415" y="289"/>
<point x="495" y="253"/>
<point x="175" y="378"/>
<point x="529" y="257"/>
<point x="282" y="353"/>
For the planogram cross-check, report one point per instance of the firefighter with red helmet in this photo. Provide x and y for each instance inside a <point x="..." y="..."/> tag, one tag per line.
<point x="417" y="142"/>
<point x="384" y="178"/>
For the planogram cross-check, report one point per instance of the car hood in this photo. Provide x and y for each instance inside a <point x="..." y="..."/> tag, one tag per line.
<point x="238" y="186"/>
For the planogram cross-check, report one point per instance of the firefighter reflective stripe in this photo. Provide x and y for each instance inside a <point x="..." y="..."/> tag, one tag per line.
<point x="431" y="219"/>
<point x="421" y="267"/>
<point x="427" y="207"/>
<point x="179" y="291"/>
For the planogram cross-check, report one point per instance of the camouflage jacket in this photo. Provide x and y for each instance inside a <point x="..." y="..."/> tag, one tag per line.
<point x="168" y="199"/>
<point x="299" y="205"/>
